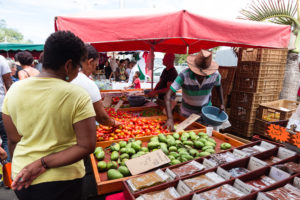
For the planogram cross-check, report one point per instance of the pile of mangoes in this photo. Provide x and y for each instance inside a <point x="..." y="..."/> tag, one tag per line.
<point x="178" y="147"/>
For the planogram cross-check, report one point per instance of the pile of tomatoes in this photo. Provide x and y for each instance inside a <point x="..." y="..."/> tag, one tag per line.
<point x="135" y="127"/>
<point x="119" y="114"/>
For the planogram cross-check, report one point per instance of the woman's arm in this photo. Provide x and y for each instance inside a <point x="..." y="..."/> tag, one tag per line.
<point x="102" y="117"/>
<point x="22" y="75"/>
<point x="86" y="141"/>
<point x="12" y="133"/>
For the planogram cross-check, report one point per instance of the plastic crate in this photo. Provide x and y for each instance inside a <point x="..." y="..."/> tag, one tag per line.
<point x="261" y="126"/>
<point x="243" y="113"/>
<point x="263" y="55"/>
<point x="261" y="70"/>
<point x="256" y="85"/>
<point x="241" y="128"/>
<point x="248" y="100"/>
<point x="277" y="110"/>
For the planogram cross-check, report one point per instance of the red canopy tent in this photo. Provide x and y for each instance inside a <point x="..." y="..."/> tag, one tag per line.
<point x="173" y="32"/>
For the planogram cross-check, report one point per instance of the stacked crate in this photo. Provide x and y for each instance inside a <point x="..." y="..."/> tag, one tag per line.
<point x="259" y="79"/>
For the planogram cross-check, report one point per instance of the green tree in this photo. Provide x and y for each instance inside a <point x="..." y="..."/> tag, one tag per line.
<point x="11" y="35"/>
<point x="180" y="59"/>
<point x="281" y="12"/>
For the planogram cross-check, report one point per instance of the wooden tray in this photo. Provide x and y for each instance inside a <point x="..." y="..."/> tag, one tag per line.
<point x="105" y="186"/>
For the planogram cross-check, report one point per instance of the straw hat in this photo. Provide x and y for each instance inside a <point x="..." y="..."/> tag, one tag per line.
<point x="202" y="63"/>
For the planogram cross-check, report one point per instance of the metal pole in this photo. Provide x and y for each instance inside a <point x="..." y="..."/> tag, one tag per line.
<point x="152" y="65"/>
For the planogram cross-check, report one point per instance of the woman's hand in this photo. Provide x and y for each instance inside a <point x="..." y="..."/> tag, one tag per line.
<point x="3" y="154"/>
<point x="25" y="177"/>
<point x="170" y="125"/>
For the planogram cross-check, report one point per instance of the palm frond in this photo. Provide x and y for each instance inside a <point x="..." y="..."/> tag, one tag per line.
<point x="276" y="11"/>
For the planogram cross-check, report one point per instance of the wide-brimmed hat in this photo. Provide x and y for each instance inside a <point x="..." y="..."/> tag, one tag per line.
<point x="202" y="63"/>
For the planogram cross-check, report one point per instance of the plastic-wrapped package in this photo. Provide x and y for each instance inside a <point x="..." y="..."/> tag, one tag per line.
<point x="167" y="194"/>
<point x="238" y="171"/>
<point x="147" y="180"/>
<point x="188" y="168"/>
<point x="287" y="192"/>
<point x="203" y="181"/>
<point x="272" y="160"/>
<point x="289" y="167"/>
<point x="250" y="150"/>
<point x="261" y="183"/>
<point x="224" y="192"/>
<point x="223" y="158"/>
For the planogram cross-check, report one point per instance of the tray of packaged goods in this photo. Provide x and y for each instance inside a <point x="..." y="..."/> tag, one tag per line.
<point x="180" y="147"/>
<point x="243" y="178"/>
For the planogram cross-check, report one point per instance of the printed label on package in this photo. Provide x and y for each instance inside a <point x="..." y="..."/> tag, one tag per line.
<point x="239" y="153"/>
<point x="208" y="164"/>
<point x="267" y="145"/>
<point x="278" y="174"/>
<point x="222" y="172"/>
<point x="284" y="153"/>
<point x="255" y="163"/>
<point x="183" y="189"/>
<point x="244" y="187"/>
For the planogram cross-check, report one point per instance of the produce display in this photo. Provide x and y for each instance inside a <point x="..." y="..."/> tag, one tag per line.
<point x="130" y="114"/>
<point x="134" y="127"/>
<point x="271" y="117"/>
<point x="178" y="147"/>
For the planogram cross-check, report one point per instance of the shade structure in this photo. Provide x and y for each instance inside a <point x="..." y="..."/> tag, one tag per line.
<point x="21" y="47"/>
<point x="172" y="32"/>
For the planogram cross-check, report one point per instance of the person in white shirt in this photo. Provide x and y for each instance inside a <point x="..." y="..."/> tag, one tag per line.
<point x="90" y="86"/>
<point x="5" y="83"/>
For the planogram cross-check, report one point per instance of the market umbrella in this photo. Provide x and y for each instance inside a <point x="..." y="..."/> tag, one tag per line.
<point x="175" y="32"/>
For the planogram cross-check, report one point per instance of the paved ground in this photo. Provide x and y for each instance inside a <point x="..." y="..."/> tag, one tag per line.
<point x="6" y="194"/>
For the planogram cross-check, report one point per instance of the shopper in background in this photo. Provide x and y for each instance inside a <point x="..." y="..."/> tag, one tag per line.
<point x="136" y="82"/>
<point x="50" y="124"/>
<point x="5" y="83"/>
<point x="107" y="69"/>
<point x="39" y="66"/>
<point x="90" y="86"/>
<point x="13" y="69"/>
<point x="19" y="68"/>
<point x="25" y="58"/>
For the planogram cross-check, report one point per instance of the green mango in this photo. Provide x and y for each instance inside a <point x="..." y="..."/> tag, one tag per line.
<point x="192" y="133"/>
<point x="124" y="155"/>
<point x="184" y="138"/>
<point x="122" y="144"/>
<point x="162" y="138"/>
<point x="202" y="140"/>
<point x="193" y="152"/>
<point x="198" y="144"/>
<point x="186" y="135"/>
<point x="204" y="153"/>
<point x="172" y="148"/>
<point x="112" y="165"/>
<point x="128" y="145"/>
<point x="171" y="157"/>
<point x="102" y="166"/>
<point x="207" y="147"/>
<point x="139" y="142"/>
<point x="171" y="142"/>
<point x="175" y="162"/>
<point x="178" y="143"/>
<point x="170" y="137"/>
<point x="211" y="140"/>
<point x="176" y="136"/>
<point x="188" y="147"/>
<point x="123" y="162"/>
<point x="201" y="134"/>
<point x="211" y="151"/>
<point x="98" y="149"/>
<point x="184" y="153"/>
<point x="194" y="137"/>
<point x="190" y="143"/>
<point x="154" y="139"/>
<point x="208" y="143"/>
<point x="115" y="147"/>
<point x="114" y="155"/>
<point x="154" y="149"/>
<point x="175" y="154"/>
<point x="165" y="150"/>
<point x="123" y="150"/>
<point x="182" y="150"/>
<point x="225" y="146"/>
<point x="124" y="171"/>
<point x="145" y="149"/>
<point x="183" y="159"/>
<point x="188" y="157"/>
<point x="163" y="145"/>
<point x="130" y="151"/>
<point x="114" y="174"/>
<point x="136" y="146"/>
<point x="100" y="155"/>
<point x="153" y="145"/>
<point x="140" y="153"/>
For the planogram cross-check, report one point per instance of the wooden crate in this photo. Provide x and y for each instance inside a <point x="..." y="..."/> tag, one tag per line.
<point x="261" y="126"/>
<point x="261" y="70"/>
<point x="243" y="113"/>
<point x="263" y="55"/>
<point x="248" y="100"/>
<point x="105" y="186"/>
<point x="277" y="110"/>
<point x="256" y="85"/>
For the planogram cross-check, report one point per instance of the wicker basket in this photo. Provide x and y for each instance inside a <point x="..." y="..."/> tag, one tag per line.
<point x="241" y="128"/>
<point x="243" y="113"/>
<point x="261" y="70"/>
<point x="263" y="55"/>
<point x="277" y="110"/>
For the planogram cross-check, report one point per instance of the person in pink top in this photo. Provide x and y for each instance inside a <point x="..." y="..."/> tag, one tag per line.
<point x="136" y="81"/>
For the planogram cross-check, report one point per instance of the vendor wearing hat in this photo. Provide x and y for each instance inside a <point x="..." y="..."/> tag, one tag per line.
<point x="196" y="82"/>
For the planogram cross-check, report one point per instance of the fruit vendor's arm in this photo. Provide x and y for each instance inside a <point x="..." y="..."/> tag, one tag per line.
<point x="86" y="142"/>
<point x="102" y="116"/>
<point x="220" y="94"/>
<point x="12" y="133"/>
<point x="163" y="90"/>
<point x="170" y="122"/>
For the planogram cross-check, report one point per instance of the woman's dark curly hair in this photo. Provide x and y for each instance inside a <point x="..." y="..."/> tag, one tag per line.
<point x="62" y="46"/>
<point x="25" y="58"/>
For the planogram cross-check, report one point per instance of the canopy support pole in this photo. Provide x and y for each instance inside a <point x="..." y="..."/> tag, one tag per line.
<point x="152" y="65"/>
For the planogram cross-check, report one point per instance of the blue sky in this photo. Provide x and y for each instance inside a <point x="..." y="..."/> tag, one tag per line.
<point x="35" y="18"/>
